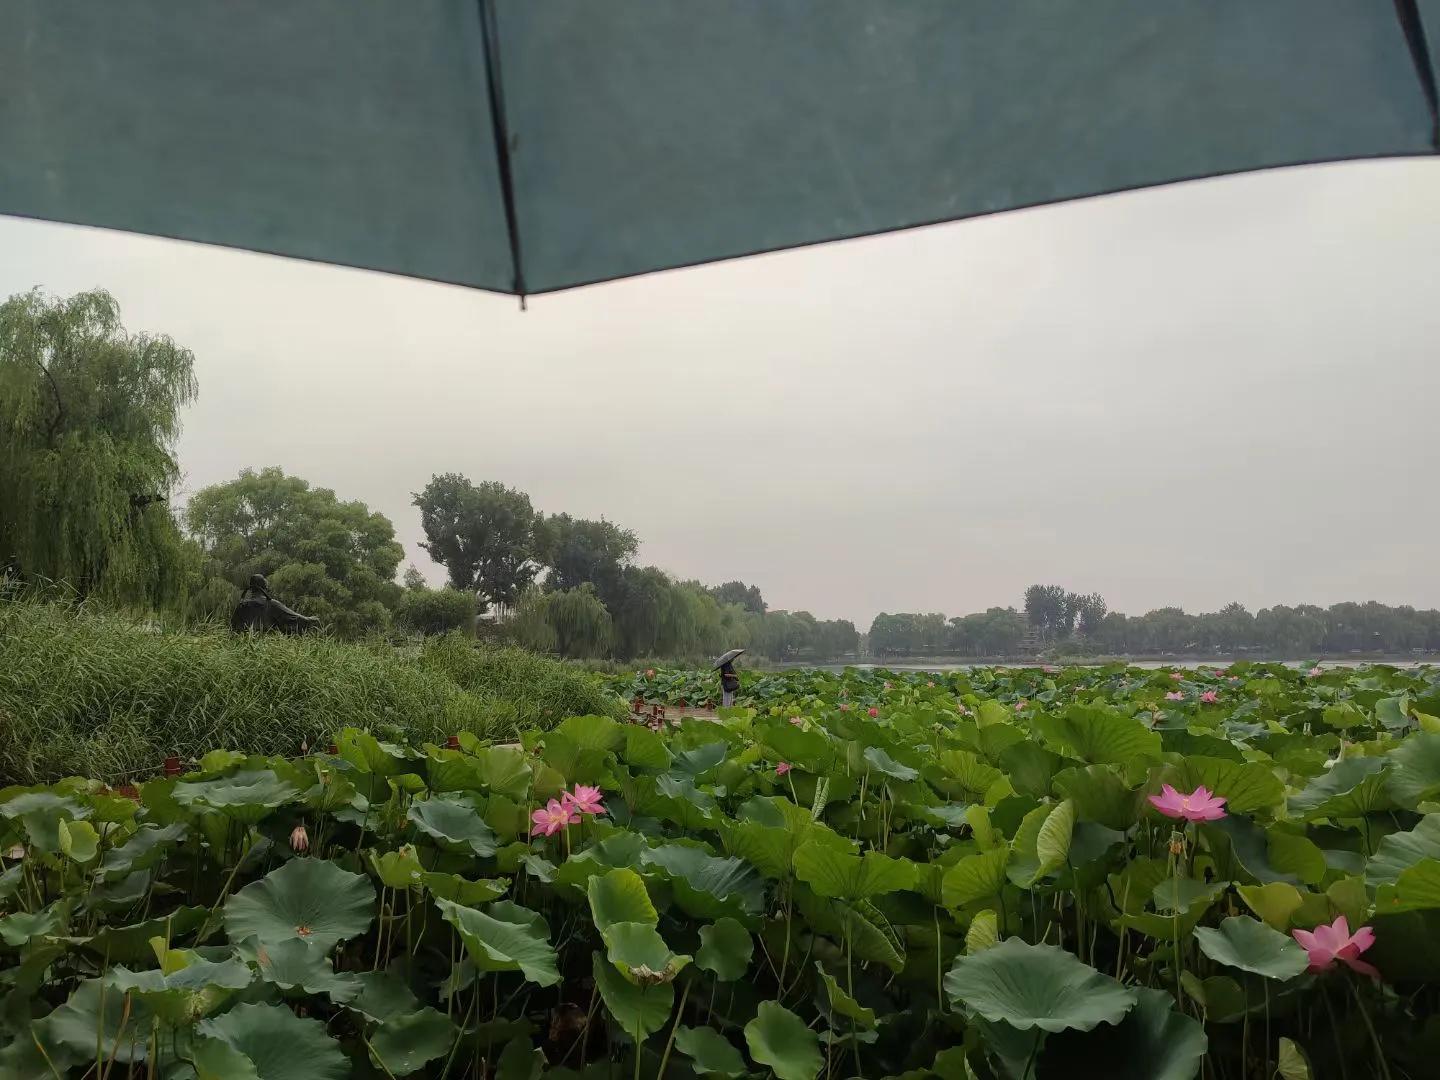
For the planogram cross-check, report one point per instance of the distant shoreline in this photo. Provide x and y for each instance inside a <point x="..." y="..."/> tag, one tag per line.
<point x="923" y="663"/>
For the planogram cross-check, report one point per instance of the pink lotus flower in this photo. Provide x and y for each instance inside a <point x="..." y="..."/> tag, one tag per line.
<point x="844" y="706"/>
<point x="1050" y="669"/>
<point x="887" y="686"/>
<point x="1175" y="695"/>
<point x="1020" y="705"/>
<point x="1209" y="697"/>
<point x="299" y="838"/>
<point x="1326" y="944"/>
<point x="553" y="817"/>
<point x="584" y="799"/>
<point x="1234" y="678"/>
<point x="1199" y="805"/>
<point x="649" y="673"/>
<point x="1177" y="674"/>
<point x="797" y="721"/>
<point x="782" y="768"/>
<point x="874" y="711"/>
<point x="963" y="710"/>
<point x="1316" y="670"/>
<point x="930" y="684"/>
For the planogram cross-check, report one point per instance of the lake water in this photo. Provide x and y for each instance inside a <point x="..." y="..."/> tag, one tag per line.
<point x="1152" y="665"/>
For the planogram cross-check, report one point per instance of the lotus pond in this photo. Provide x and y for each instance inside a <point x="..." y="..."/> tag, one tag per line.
<point x="995" y="873"/>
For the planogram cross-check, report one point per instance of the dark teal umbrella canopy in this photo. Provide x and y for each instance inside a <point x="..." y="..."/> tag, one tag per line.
<point x="529" y="145"/>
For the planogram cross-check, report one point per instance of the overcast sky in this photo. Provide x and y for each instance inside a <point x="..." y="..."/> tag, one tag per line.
<point x="1218" y="391"/>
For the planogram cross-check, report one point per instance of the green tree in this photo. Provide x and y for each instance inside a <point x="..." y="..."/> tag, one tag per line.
<point x="89" y="414"/>
<point x="582" y="625"/>
<point x="485" y="535"/>
<point x="435" y="611"/>
<point x="737" y="592"/>
<point x="578" y="552"/>
<point x="330" y="559"/>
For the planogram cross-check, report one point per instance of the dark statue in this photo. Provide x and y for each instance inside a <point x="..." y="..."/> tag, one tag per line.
<point x="261" y="612"/>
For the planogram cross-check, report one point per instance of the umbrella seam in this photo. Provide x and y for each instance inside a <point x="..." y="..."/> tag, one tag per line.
<point x="1414" y="29"/>
<point x="490" y="33"/>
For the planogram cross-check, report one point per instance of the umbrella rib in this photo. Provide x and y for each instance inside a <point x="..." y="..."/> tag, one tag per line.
<point x="1414" y="28"/>
<point x="490" y="35"/>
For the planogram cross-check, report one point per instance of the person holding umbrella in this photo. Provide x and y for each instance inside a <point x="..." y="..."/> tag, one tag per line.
<point x="729" y="681"/>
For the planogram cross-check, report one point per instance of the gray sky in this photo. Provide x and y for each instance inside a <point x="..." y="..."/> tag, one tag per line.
<point x="1218" y="391"/>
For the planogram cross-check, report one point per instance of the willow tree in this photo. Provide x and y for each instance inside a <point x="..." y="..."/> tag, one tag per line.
<point x="89" y="415"/>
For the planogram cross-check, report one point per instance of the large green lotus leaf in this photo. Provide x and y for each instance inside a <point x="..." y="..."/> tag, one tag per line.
<point x="1248" y="944"/>
<point x="1291" y="1062"/>
<point x="640" y="1011"/>
<point x="216" y="1060"/>
<point x="1100" y="794"/>
<point x="78" y="840"/>
<point x="451" y="770"/>
<point x="972" y="774"/>
<point x="811" y="750"/>
<point x="576" y="764"/>
<point x="710" y="1053"/>
<point x="1401" y="850"/>
<point x="862" y="925"/>
<point x="617" y="850"/>
<point x="131" y="944"/>
<point x="405" y="1044"/>
<point x="520" y="1060"/>
<point x="305" y="898"/>
<point x="503" y="941"/>
<point x="1152" y="1042"/>
<point x="279" y="1044"/>
<point x="1274" y="903"/>
<point x="726" y="948"/>
<point x="463" y="890"/>
<point x="851" y="877"/>
<point x="878" y="760"/>
<point x="141" y="850"/>
<point x="640" y="954"/>
<point x="1394" y="712"/>
<point x="645" y="749"/>
<point x="778" y="1038"/>
<point x="699" y="761"/>
<point x="1031" y="768"/>
<point x="975" y="877"/>
<point x="43" y="804"/>
<point x="984" y="932"/>
<point x="1414" y="769"/>
<point x="247" y="796"/>
<point x="771" y="848"/>
<point x="505" y="770"/>
<point x="400" y="869"/>
<point x="1024" y="866"/>
<point x="1353" y="788"/>
<point x="11" y="880"/>
<point x="369" y="755"/>
<point x="841" y="1003"/>
<point x="593" y="732"/>
<point x="1344" y="715"/>
<point x="1052" y="843"/>
<point x="1037" y="986"/>
<point x="383" y="996"/>
<point x="706" y="886"/>
<point x="455" y="823"/>
<point x="186" y="995"/>
<point x="1098" y="735"/>
<point x="1250" y="850"/>
<point x="23" y="927"/>
<point x="1416" y="889"/>
<point x="1182" y="893"/>
<point x="620" y="897"/>
<point x="1245" y="785"/>
<point x="1407" y="945"/>
<point x="299" y="964"/>
<point x="96" y="1016"/>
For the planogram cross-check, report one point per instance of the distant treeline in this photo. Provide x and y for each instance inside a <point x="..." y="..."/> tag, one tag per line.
<point x="1053" y="618"/>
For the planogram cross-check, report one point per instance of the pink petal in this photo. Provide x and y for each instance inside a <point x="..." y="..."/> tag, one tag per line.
<point x="1200" y="794"/>
<point x="1306" y="939"/>
<point x="1362" y="939"/>
<point x="1361" y="966"/>
<point x="1341" y="926"/>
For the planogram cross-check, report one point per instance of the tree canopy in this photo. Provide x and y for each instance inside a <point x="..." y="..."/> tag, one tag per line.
<point x="89" y="414"/>
<point x="579" y="552"/>
<point x="324" y="557"/>
<point x="487" y="536"/>
<point x="737" y="592"/>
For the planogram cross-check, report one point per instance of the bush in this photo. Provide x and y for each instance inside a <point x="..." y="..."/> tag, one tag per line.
<point x="436" y="611"/>
<point x="520" y="687"/>
<point x="98" y="695"/>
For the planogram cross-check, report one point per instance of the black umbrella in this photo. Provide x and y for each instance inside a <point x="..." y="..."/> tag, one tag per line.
<point x="533" y="145"/>
<point x="727" y="658"/>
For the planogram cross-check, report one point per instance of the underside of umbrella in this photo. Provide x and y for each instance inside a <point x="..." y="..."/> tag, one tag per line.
<point x="533" y="145"/>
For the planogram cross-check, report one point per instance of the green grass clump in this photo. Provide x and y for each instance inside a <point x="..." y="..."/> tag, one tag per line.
<point x="522" y="690"/>
<point x="97" y="695"/>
